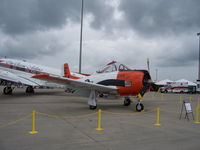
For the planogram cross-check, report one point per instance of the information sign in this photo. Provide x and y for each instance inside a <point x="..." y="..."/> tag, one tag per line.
<point x="188" y="109"/>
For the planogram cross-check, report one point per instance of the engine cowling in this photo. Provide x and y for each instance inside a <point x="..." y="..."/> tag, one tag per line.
<point x="136" y="82"/>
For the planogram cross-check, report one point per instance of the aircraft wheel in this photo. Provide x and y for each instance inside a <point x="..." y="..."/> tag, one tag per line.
<point x="127" y="102"/>
<point x="139" y="107"/>
<point x="7" y="90"/>
<point x="29" y="89"/>
<point x="93" y="107"/>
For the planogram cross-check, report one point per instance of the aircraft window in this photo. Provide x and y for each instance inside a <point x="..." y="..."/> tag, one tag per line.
<point x="109" y="68"/>
<point x="114" y="68"/>
<point x="11" y="66"/>
<point x="22" y="69"/>
<point x="123" y="68"/>
<point x="4" y="65"/>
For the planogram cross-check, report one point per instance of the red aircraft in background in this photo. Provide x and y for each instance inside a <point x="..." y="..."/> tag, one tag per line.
<point x="114" y="79"/>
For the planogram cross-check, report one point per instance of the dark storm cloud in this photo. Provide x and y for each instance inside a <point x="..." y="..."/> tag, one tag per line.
<point x="164" y="20"/>
<point x="186" y="54"/>
<point x="29" y="47"/>
<point x="162" y="17"/>
<point x="20" y="16"/>
<point x="24" y="24"/>
<point x="101" y="12"/>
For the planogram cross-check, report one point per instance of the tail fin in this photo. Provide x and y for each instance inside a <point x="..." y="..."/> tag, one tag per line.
<point x="66" y="71"/>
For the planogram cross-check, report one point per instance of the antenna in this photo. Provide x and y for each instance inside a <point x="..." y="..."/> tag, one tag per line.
<point x="148" y="64"/>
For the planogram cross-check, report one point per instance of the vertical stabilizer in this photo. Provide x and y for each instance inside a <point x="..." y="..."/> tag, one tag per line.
<point x="66" y="71"/>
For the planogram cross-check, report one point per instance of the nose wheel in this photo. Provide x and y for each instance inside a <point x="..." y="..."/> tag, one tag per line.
<point x="139" y="107"/>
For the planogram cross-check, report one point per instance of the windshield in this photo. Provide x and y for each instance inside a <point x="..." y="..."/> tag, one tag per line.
<point x="113" y="66"/>
<point x="123" y="68"/>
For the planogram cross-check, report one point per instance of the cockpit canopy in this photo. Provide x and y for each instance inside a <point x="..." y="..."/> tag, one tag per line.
<point x="113" y="66"/>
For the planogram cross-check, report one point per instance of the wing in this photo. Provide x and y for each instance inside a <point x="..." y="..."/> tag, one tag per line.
<point x="75" y="83"/>
<point x="10" y="77"/>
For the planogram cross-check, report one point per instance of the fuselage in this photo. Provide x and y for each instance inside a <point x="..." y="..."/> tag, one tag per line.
<point x="127" y="83"/>
<point x="25" y="67"/>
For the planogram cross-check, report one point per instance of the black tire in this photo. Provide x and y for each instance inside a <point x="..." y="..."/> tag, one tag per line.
<point x="7" y="90"/>
<point x="101" y="95"/>
<point x="30" y="90"/>
<point x="139" y="107"/>
<point x="93" y="107"/>
<point x="127" y="102"/>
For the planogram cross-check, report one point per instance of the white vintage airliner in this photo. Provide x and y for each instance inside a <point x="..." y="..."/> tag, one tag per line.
<point x="14" y="73"/>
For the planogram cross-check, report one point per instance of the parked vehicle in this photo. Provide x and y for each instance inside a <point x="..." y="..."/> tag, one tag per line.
<point x="176" y="87"/>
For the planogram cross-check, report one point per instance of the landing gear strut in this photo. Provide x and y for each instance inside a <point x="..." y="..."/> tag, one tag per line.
<point x="7" y="90"/>
<point x="30" y="90"/>
<point x="127" y="101"/>
<point x="92" y="100"/>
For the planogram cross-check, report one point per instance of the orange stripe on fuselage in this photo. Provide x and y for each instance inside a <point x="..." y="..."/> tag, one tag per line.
<point x="135" y="77"/>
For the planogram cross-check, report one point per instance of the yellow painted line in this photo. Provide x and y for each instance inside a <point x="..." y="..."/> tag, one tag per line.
<point x="122" y="113"/>
<point x="16" y="121"/>
<point x="65" y="117"/>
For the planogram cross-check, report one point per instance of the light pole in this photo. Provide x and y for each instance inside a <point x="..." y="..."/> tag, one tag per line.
<point x="198" y="80"/>
<point x="156" y="74"/>
<point x="80" y="55"/>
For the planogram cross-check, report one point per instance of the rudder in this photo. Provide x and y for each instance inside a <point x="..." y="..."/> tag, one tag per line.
<point x="66" y="71"/>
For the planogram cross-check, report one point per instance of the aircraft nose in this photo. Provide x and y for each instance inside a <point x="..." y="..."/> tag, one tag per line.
<point x="146" y="82"/>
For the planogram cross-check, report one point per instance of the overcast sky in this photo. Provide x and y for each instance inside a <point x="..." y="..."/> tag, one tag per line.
<point x="47" y="32"/>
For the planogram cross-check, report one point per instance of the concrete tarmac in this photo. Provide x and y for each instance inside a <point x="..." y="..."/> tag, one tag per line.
<point x="65" y="122"/>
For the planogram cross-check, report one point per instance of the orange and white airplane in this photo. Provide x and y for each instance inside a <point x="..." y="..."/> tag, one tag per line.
<point x="114" y="79"/>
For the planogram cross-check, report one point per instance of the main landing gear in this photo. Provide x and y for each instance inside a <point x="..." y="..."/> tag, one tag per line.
<point x="29" y="90"/>
<point x="127" y="101"/>
<point x="92" y="102"/>
<point x="139" y="105"/>
<point x="7" y="90"/>
<point x="93" y="107"/>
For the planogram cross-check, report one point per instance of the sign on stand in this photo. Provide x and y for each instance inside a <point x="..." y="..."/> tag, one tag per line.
<point x="188" y="109"/>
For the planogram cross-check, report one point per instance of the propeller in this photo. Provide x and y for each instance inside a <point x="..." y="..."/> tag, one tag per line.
<point x="147" y="83"/>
